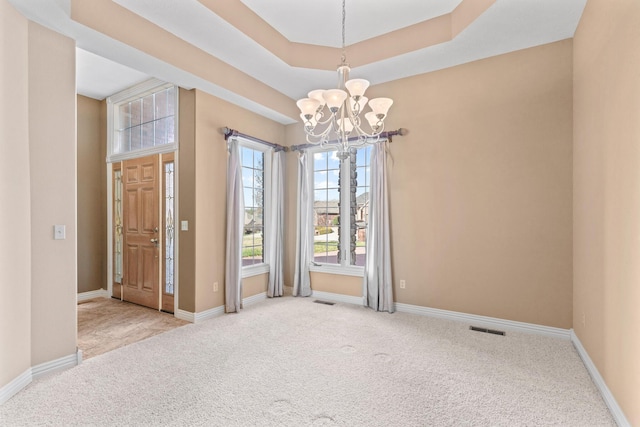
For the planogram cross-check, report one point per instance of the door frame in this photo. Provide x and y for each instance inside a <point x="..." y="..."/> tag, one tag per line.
<point x="110" y="223"/>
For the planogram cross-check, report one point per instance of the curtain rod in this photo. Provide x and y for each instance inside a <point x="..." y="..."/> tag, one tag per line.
<point x="228" y="132"/>
<point x="388" y="135"/>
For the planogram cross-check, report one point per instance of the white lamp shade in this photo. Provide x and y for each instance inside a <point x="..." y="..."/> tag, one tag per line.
<point x="362" y="102"/>
<point x="357" y="87"/>
<point x="346" y="124"/>
<point x="380" y="106"/>
<point x="372" y="119"/>
<point x="334" y="98"/>
<point x="317" y="94"/>
<point x="308" y="106"/>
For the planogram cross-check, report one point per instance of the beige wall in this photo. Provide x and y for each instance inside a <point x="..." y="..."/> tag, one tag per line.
<point x="202" y="197"/>
<point x="186" y="173"/>
<point x="254" y="285"/>
<point x="38" y="134"/>
<point x="15" y="245"/>
<point x="52" y="155"/>
<point x="481" y="187"/>
<point x="92" y="202"/>
<point x="346" y="285"/>
<point x="607" y="195"/>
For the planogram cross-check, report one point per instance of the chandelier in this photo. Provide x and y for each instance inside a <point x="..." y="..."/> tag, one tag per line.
<point x="333" y="117"/>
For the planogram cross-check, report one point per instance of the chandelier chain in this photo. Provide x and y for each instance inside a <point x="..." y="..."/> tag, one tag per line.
<point x="344" y="20"/>
<point x="342" y="126"/>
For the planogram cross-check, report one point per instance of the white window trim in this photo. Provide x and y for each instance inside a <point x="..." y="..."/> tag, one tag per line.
<point x="255" y="270"/>
<point x="343" y="268"/>
<point x="263" y="267"/>
<point x="135" y="92"/>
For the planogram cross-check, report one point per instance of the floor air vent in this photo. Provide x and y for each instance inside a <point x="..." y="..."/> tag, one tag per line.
<point x="324" y="302"/>
<point x="488" y="331"/>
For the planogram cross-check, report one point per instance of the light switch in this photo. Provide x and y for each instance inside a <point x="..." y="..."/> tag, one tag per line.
<point x="184" y="225"/>
<point x="59" y="232"/>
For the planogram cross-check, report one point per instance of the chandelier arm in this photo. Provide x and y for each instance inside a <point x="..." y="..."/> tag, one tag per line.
<point x="328" y="120"/>
<point x="318" y="138"/>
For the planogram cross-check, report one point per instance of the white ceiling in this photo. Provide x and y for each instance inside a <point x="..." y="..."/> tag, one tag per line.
<point x="106" y="66"/>
<point x="320" y="22"/>
<point x="98" y="77"/>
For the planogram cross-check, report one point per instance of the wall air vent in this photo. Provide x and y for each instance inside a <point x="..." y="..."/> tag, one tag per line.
<point x="324" y="302"/>
<point x="487" y="331"/>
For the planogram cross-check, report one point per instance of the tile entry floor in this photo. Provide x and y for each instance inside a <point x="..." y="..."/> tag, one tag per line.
<point x="105" y="324"/>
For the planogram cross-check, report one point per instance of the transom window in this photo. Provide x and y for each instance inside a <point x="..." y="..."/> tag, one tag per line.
<point x="142" y="120"/>
<point x="341" y="208"/>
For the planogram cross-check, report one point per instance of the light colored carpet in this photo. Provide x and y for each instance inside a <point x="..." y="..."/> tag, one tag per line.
<point x="292" y="362"/>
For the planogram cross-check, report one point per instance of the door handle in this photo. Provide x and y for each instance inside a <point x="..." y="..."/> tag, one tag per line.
<point x="154" y="241"/>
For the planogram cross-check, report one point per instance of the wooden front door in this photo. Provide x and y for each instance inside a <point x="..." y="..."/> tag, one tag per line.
<point x="140" y="283"/>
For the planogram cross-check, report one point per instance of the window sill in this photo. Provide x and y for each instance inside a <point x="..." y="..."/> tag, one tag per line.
<point x="349" y="270"/>
<point x="254" y="270"/>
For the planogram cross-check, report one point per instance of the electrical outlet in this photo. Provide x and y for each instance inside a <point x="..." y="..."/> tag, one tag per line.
<point x="403" y="284"/>
<point x="215" y="287"/>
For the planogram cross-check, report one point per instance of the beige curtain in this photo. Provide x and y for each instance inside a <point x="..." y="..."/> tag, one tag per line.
<point x="377" y="286"/>
<point x="304" y="242"/>
<point x="276" y="229"/>
<point x="235" y="225"/>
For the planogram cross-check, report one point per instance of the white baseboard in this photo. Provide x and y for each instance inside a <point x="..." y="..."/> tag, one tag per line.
<point x="200" y="316"/>
<point x="329" y="296"/>
<point x="208" y="314"/>
<point x="471" y="319"/>
<point x="611" y="402"/>
<point x="185" y="315"/>
<point x="216" y="311"/>
<point x="254" y="299"/>
<point x="99" y="293"/>
<point x="24" y="379"/>
<point x="17" y="384"/>
<point x="55" y="365"/>
<point x="484" y="321"/>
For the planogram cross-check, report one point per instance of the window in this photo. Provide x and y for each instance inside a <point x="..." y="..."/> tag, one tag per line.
<point x="255" y="163"/>
<point x="341" y="209"/>
<point x="142" y="120"/>
<point x="326" y="207"/>
<point x="169" y="228"/>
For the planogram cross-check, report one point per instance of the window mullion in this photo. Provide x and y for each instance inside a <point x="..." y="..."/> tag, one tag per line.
<point x="345" y="211"/>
